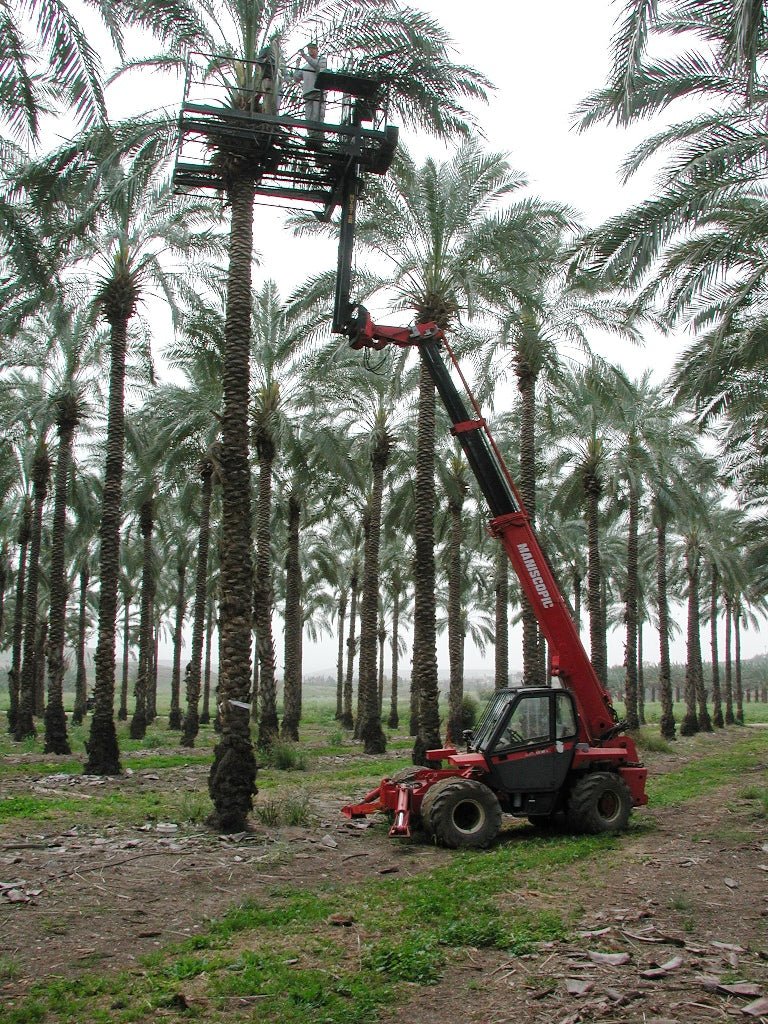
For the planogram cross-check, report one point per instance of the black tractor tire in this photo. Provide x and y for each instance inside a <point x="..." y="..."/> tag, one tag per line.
<point x="461" y="814"/>
<point x="600" y="802"/>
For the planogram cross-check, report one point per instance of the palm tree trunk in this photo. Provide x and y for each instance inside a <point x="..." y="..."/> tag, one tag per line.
<point x="371" y="733"/>
<point x="394" y="718"/>
<point x="717" y="702"/>
<point x="424" y="674"/>
<point x="103" y="753"/>
<point x="640" y="675"/>
<point x="14" y="673"/>
<point x="56" y="740"/>
<point x="205" y="714"/>
<point x="739" y="694"/>
<point x="122" y="713"/>
<point x="346" y="714"/>
<point x="154" y="647"/>
<point x="194" y="668"/>
<point x="41" y="648"/>
<point x="382" y="635"/>
<point x="730" y="718"/>
<point x="690" y="722"/>
<point x="138" y="727"/>
<point x="269" y="728"/>
<point x="667" y="723"/>
<point x="232" y="780"/>
<point x="501" y="657"/>
<point x="25" y="725"/>
<point x="341" y="617"/>
<point x="455" y="623"/>
<point x="3" y="582"/>
<point x="526" y="383"/>
<point x="174" y="717"/>
<point x="81" y="676"/>
<point x="630" y="615"/>
<point x="293" y="627"/>
<point x="593" y="489"/>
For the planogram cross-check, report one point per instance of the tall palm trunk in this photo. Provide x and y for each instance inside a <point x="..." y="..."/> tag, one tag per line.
<point x="194" y="668"/>
<point x="25" y="725"/>
<point x="501" y="605"/>
<point x="394" y="718"/>
<point x="717" y="701"/>
<point x="371" y="733"/>
<point x="341" y="617"/>
<point x="293" y="628"/>
<point x="346" y="714"/>
<point x="81" y="675"/>
<point x="593" y="490"/>
<point x="269" y="728"/>
<point x="232" y="780"/>
<point x="122" y="714"/>
<point x="667" y="724"/>
<point x="424" y="673"/>
<point x="455" y="619"/>
<point x="3" y="582"/>
<point x="103" y="753"/>
<point x="730" y="718"/>
<point x="630" y="614"/>
<point x="533" y="670"/>
<point x="14" y="672"/>
<point x="174" y="717"/>
<point x="738" y="688"/>
<point x="139" y="720"/>
<point x="205" y="713"/>
<point x="56" y="740"/>
<point x="690" y="723"/>
<point x="382" y="636"/>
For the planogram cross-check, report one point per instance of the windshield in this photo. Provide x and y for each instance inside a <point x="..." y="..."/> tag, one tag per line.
<point x="482" y="732"/>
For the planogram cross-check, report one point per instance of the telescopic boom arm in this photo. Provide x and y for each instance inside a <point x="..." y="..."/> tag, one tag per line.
<point x="510" y="522"/>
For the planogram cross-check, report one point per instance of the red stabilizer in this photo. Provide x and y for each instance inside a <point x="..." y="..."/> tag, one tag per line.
<point x="369" y="805"/>
<point x="402" y="823"/>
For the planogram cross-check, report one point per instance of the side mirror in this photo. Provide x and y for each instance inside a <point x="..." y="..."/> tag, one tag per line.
<point x="468" y="737"/>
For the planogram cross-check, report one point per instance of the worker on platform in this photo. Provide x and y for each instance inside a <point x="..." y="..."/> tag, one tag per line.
<point x="314" y="99"/>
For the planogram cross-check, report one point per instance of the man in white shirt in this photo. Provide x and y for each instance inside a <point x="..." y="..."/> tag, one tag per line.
<point x="314" y="99"/>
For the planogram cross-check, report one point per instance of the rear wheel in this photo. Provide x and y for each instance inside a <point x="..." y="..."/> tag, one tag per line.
<point x="461" y="813"/>
<point x="599" y="803"/>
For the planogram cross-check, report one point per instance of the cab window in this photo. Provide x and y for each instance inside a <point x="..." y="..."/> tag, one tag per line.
<point x="565" y="718"/>
<point x="528" y="724"/>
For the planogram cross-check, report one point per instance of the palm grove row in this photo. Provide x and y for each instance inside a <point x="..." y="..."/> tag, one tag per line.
<point x="277" y="473"/>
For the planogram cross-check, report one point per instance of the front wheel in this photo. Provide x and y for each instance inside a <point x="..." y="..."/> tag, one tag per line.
<point x="461" y="813"/>
<point x="600" y="802"/>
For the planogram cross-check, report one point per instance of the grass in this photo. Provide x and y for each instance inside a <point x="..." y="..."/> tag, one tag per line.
<point x="277" y="959"/>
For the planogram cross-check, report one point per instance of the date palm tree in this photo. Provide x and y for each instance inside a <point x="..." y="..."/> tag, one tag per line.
<point x="47" y="58"/>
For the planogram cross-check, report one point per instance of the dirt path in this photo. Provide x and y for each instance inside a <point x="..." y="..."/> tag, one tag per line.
<point x="666" y="926"/>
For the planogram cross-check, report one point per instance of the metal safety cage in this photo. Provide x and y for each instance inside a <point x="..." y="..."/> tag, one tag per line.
<point x="253" y="111"/>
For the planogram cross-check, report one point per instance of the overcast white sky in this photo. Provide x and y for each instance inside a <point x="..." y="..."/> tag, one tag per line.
<point x="543" y="58"/>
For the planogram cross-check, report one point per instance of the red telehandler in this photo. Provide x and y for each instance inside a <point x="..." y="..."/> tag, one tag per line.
<point x="537" y="752"/>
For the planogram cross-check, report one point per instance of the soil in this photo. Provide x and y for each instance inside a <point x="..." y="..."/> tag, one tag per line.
<point x="671" y="927"/>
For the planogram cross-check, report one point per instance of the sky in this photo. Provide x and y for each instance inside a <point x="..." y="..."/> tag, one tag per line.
<point x="543" y="59"/>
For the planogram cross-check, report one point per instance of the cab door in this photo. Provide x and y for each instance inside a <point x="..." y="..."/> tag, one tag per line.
<point x="532" y="748"/>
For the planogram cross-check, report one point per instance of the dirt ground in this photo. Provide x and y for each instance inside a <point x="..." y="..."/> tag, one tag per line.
<point x="672" y="927"/>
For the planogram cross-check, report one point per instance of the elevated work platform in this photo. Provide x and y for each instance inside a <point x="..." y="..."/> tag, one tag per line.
<point x="243" y="113"/>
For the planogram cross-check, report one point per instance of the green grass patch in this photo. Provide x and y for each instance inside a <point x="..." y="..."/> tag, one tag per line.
<point x="709" y="770"/>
